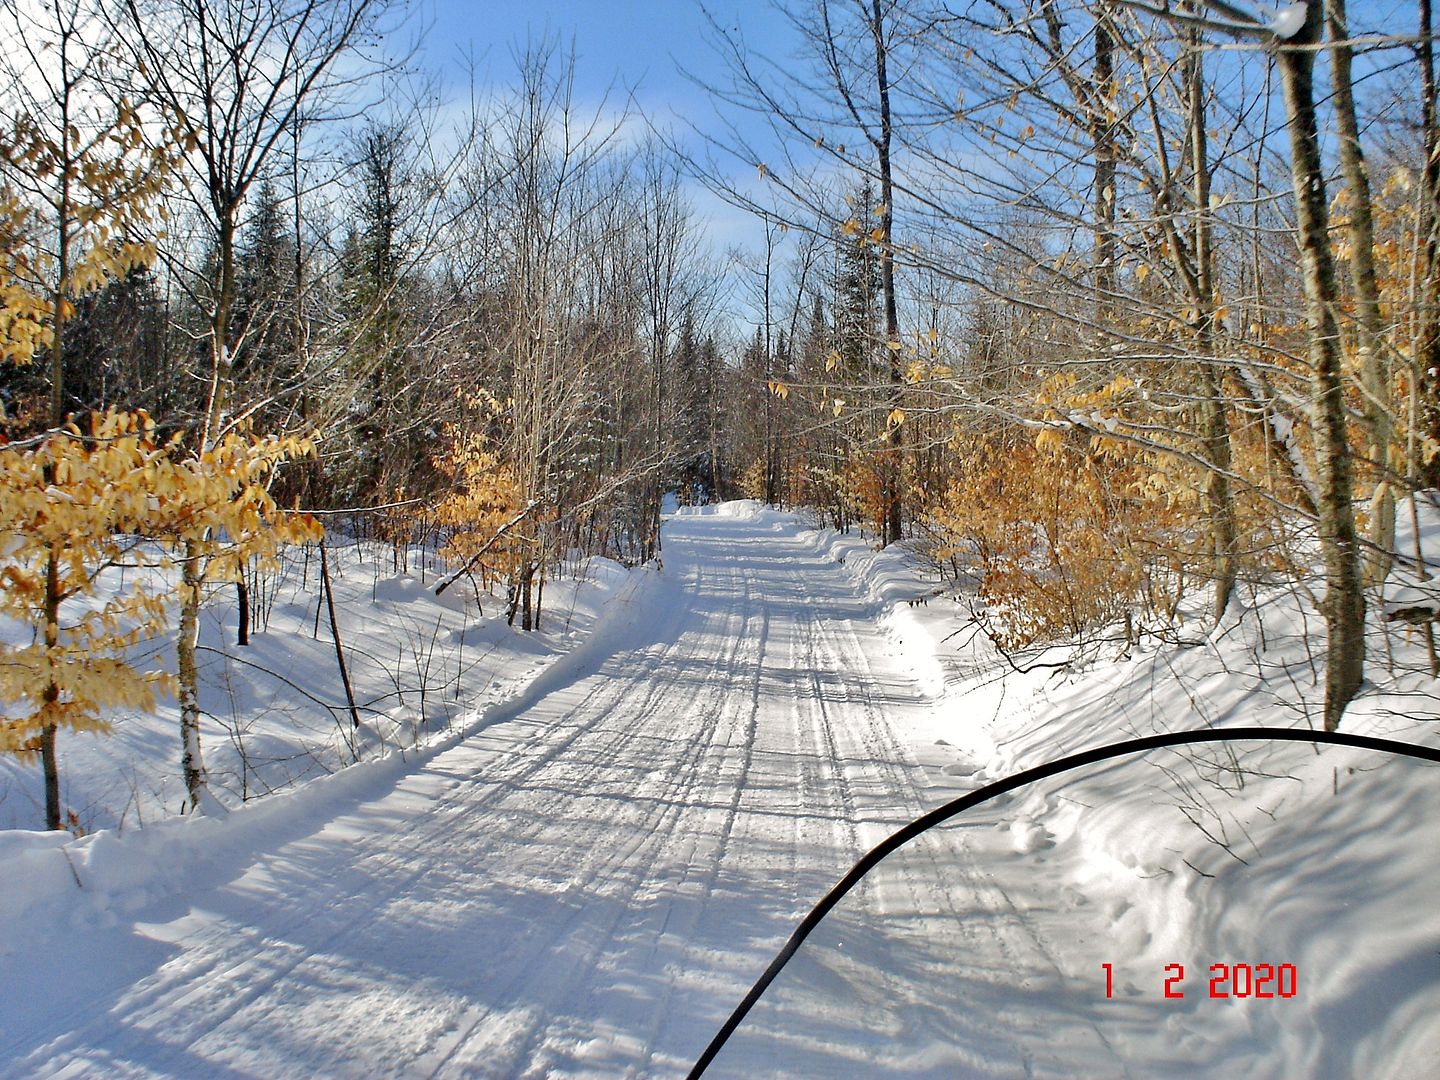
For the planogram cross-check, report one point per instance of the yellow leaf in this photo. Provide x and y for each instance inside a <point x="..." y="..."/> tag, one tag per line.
<point x="1049" y="440"/>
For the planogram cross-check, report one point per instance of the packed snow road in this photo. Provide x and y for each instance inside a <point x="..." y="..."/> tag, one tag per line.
<point x="584" y="887"/>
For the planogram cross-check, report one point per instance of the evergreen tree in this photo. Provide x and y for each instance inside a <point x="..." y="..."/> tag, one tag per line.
<point x="117" y="348"/>
<point x="264" y="308"/>
<point x="857" y="291"/>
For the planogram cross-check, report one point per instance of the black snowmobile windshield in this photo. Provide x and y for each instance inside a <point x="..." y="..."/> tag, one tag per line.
<point x="998" y="941"/>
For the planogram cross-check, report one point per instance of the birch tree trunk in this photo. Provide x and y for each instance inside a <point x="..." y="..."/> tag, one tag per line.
<point x="192" y="765"/>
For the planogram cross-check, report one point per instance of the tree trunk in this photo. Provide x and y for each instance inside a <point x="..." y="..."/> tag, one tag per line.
<point x="1344" y="603"/>
<point x="192" y="576"/>
<point x="192" y="762"/>
<point x="1428" y="360"/>
<point x="527" y="616"/>
<point x="1214" y="429"/>
<point x="1102" y="137"/>
<point x="895" y="434"/>
<point x="1215" y="432"/>
<point x="335" y="636"/>
<point x="49" y="762"/>
<point x="1374" y="371"/>
<point x="242" y="605"/>
<point x="218" y="406"/>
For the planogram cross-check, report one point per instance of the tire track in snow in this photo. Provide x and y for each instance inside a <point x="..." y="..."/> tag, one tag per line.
<point x="583" y="889"/>
<point x="723" y="790"/>
<point x="539" y="1055"/>
<point x="1001" y="930"/>
<point x="876" y="778"/>
<point x="255" y="965"/>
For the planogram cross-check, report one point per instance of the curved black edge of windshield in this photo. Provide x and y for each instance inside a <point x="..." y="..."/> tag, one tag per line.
<point x="1020" y="779"/>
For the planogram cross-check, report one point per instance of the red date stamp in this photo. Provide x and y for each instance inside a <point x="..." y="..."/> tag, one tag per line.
<point x="1228" y="981"/>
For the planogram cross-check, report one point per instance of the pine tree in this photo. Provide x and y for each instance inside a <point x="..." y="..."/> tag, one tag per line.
<point x="118" y="350"/>
<point x="856" y="292"/>
<point x="263" y="315"/>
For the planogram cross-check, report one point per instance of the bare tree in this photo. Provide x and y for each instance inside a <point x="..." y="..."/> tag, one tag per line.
<point x="238" y="77"/>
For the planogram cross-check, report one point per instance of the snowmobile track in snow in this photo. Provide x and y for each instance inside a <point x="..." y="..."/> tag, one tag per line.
<point x="586" y="888"/>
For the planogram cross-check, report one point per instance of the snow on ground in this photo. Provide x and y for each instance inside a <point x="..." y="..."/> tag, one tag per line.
<point x="583" y="880"/>
<point x="275" y="711"/>
<point x="1264" y="854"/>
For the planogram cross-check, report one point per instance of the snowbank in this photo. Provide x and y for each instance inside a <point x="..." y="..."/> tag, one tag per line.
<point x="427" y="672"/>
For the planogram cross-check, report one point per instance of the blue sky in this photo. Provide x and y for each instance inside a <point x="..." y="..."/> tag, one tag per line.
<point x="650" y="47"/>
<point x="644" y="46"/>
<point x="638" y="43"/>
<point x="653" y="48"/>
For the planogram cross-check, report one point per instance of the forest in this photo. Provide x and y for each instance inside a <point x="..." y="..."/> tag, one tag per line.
<point x="1121" y="312"/>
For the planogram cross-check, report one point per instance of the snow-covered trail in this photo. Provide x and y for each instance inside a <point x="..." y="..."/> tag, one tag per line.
<point x="585" y="888"/>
